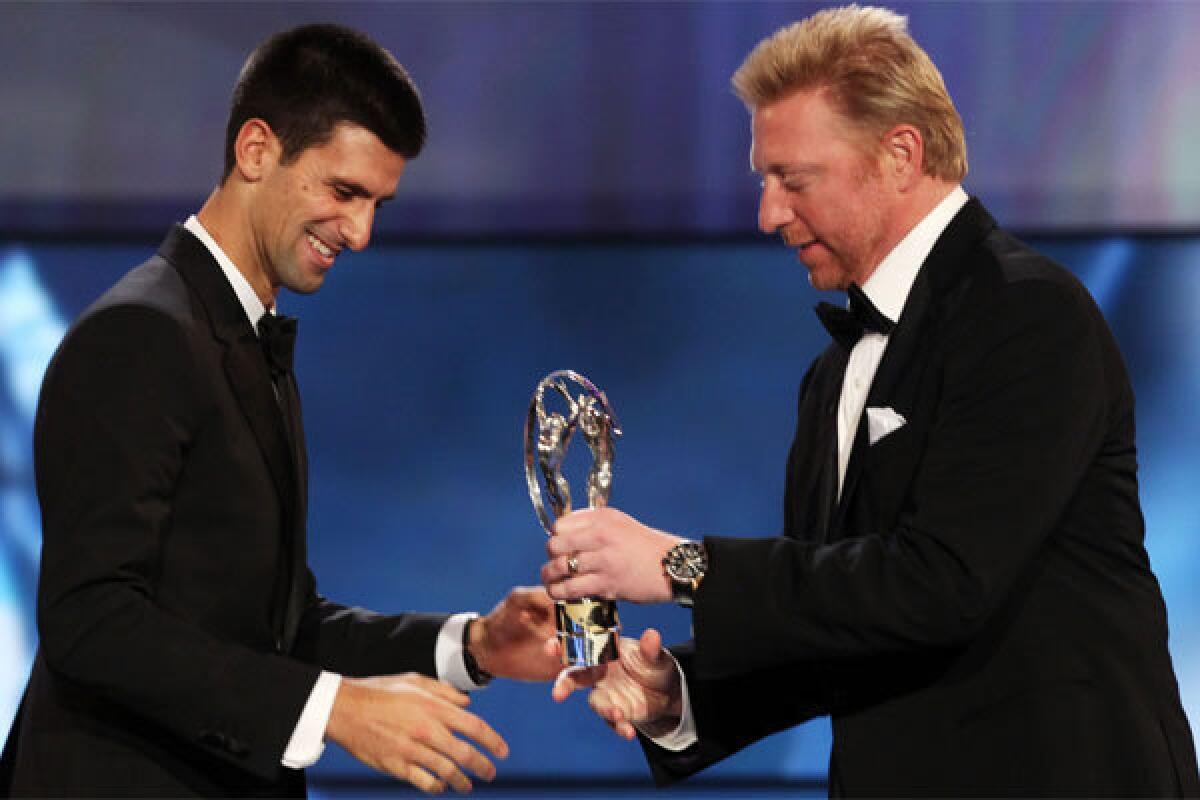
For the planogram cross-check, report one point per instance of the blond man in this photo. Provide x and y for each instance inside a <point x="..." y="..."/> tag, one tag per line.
<point x="962" y="583"/>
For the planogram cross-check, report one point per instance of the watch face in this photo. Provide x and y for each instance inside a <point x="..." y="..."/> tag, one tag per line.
<point x="686" y="562"/>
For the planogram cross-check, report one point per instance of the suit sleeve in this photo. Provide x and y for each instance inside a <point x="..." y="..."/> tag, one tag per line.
<point x="734" y="712"/>
<point x="116" y="418"/>
<point x="1022" y="412"/>
<point x="356" y="642"/>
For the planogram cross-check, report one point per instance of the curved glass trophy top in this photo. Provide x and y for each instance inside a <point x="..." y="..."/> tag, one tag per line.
<point x="563" y="403"/>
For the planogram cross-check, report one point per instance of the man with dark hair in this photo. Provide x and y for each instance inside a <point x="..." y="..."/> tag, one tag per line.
<point x="304" y="81"/>
<point x="184" y="649"/>
<point x="962" y="583"/>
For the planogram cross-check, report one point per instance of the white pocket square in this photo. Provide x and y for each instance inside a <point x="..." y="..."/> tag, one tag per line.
<point x="882" y="421"/>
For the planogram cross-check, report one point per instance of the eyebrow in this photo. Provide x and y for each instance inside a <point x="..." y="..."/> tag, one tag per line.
<point x="790" y="169"/>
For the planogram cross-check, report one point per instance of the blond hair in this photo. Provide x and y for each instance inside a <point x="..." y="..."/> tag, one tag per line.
<point x="876" y="76"/>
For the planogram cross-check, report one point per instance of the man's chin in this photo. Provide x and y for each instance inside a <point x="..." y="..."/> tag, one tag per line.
<point x="309" y="285"/>
<point x="824" y="273"/>
<point x="827" y="280"/>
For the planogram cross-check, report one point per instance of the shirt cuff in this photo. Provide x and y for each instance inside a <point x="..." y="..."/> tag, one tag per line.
<point x="685" y="733"/>
<point x="308" y="739"/>
<point x="448" y="654"/>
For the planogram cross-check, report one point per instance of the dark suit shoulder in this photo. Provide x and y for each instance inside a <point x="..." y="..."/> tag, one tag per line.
<point x="154" y="285"/>
<point x="1012" y="307"/>
<point x="145" y="333"/>
<point x="1012" y="264"/>
<point x="1001" y="285"/>
<point x="150" y="310"/>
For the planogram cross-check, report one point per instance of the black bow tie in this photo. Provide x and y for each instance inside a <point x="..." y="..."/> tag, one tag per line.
<point x="278" y="336"/>
<point x="847" y="326"/>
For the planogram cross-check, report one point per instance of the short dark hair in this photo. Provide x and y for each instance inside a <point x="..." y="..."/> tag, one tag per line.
<point x="305" y="81"/>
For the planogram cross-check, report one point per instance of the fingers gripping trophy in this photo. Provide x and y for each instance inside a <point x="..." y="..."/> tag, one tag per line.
<point x="588" y="628"/>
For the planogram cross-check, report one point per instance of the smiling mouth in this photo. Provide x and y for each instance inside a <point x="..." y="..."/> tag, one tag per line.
<point x="320" y="246"/>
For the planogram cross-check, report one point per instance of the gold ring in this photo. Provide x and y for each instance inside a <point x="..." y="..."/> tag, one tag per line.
<point x="572" y="565"/>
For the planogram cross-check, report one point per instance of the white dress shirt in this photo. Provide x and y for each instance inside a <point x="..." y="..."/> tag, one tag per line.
<point x="888" y="289"/>
<point x="307" y="741"/>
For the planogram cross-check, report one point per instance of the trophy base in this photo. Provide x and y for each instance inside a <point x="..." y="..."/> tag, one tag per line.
<point x="588" y="630"/>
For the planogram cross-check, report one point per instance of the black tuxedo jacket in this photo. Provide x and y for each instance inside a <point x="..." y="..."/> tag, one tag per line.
<point x="978" y="612"/>
<point x="181" y="632"/>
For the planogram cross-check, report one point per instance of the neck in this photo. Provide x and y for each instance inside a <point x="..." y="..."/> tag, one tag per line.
<point x="923" y="198"/>
<point x="912" y="205"/>
<point x="225" y="215"/>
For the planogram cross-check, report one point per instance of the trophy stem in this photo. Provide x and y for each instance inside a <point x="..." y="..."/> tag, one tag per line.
<point x="588" y="630"/>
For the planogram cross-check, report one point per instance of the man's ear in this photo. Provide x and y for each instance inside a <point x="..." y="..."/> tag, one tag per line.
<point x="256" y="150"/>
<point x="904" y="155"/>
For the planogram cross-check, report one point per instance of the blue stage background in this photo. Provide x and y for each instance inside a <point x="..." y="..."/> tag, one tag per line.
<point x="584" y="201"/>
<point x="593" y="116"/>
<point x="416" y="363"/>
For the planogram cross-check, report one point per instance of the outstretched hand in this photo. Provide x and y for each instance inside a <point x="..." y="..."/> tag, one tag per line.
<point x="641" y="688"/>
<point x="510" y="641"/>
<point x="410" y="727"/>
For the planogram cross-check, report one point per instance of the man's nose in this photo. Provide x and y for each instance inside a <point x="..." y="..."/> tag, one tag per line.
<point x="773" y="210"/>
<point x="356" y="230"/>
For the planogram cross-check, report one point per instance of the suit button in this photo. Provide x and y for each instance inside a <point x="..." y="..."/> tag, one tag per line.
<point x="230" y="744"/>
<point x="212" y="739"/>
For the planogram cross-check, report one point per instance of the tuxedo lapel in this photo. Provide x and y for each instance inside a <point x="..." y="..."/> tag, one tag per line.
<point x="903" y="347"/>
<point x="244" y="363"/>
<point x="249" y="378"/>
<point x="824" y="492"/>
<point x="812" y="465"/>
<point x="247" y="373"/>
<point x="909" y="341"/>
<point x="297" y="585"/>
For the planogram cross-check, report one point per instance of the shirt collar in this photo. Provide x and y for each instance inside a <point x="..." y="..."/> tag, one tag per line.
<point x="246" y="295"/>
<point x="890" y="283"/>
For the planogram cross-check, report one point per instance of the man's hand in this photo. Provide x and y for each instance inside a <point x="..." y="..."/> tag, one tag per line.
<point x="641" y="688"/>
<point x="510" y="641"/>
<point x="406" y="725"/>
<point x="615" y="557"/>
